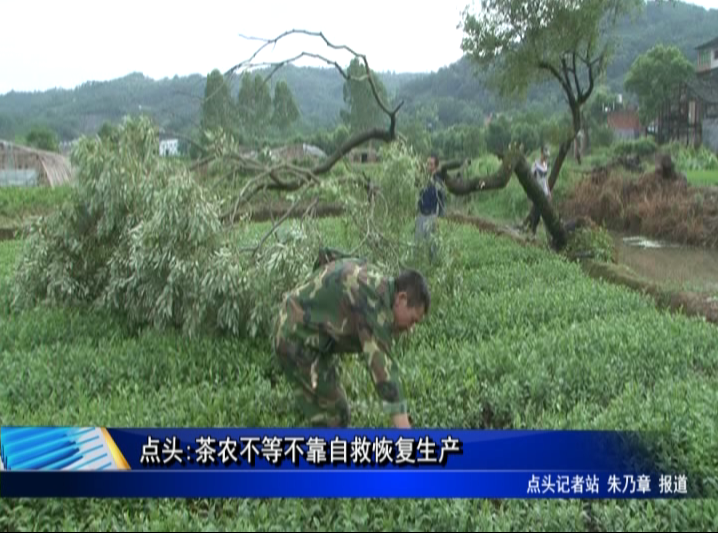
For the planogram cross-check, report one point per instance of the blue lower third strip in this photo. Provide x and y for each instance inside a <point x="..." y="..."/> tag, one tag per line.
<point x="323" y="484"/>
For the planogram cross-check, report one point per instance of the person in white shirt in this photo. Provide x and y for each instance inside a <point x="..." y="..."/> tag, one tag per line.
<point x="540" y="174"/>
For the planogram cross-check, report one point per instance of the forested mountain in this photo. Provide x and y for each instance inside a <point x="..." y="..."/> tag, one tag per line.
<point x="454" y="94"/>
<point x="459" y="89"/>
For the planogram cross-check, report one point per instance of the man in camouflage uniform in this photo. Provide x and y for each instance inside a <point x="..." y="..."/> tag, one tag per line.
<point x="346" y="307"/>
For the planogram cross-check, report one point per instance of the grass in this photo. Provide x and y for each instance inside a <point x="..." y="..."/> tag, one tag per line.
<point x="702" y="177"/>
<point x="19" y="203"/>
<point x="524" y="341"/>
<point x="8" y="253"/>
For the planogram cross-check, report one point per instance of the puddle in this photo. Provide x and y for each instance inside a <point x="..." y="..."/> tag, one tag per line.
<point x="694" y="268"/>
<point x="643" y="242"/>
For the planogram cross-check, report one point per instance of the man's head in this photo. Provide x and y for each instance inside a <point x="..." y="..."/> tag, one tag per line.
<point x="544" y="152"/>
<point x="411" y="300"/>
<point x="432" y="164"/>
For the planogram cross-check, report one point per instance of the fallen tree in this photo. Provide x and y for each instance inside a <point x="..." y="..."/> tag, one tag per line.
<point x="513" y="162"/>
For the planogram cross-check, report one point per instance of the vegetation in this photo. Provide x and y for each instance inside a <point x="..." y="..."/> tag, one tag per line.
<point x="642" y="147"/>
<point x="19" y="203"/>
<point x="703" y="177"/>
<point x="655" y="76"/>
<point x="42" y="138"/>
<point x="146" y="300"/>
<point x="521" y="339"/>
<point x="363" y="112"/>
<point x="218" y="110"/>
<point x="650" y="205"/>
<point x="688" y="159"/>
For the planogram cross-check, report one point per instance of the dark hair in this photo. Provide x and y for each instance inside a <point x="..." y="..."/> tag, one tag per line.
<point x="416" y="288"/>
<point x="435" y="158"/>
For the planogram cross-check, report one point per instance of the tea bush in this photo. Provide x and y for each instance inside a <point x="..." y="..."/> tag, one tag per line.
<point x="521" y="339"/>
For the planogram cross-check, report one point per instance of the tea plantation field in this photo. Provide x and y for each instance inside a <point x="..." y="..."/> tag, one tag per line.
<point x="517" y="338"/>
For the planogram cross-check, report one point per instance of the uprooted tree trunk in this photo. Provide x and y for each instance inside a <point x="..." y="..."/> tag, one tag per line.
<point x="513" y="163"/>
<point x="666" y="169"/>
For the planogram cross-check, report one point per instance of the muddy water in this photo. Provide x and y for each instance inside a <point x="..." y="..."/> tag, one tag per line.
<point x="691" y="268"/>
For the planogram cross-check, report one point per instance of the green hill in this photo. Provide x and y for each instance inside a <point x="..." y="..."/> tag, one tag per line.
<point x="457" y="92"/>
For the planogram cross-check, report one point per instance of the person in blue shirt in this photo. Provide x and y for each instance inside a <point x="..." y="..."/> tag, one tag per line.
<point x="432" y="198"/>
<point x="431" y="204"/>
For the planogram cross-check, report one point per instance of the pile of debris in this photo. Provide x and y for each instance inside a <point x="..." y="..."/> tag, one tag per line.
<point x="658" y="204"/>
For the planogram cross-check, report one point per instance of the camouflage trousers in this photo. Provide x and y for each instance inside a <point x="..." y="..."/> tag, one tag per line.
<point x="315" y="379"/>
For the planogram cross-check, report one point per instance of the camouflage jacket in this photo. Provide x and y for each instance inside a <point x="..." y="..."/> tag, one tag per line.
<point x="346" y="307"/>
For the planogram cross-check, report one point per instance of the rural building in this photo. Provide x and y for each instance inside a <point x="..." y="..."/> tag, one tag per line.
<point x="66" y="147"/>
<point x="691" y="116"/>
<point x="363" y="155"/>
<point x="169" y="147"/>
<point x="23" y="166"/>
<point x="707" y="56"/>
<point x="625" y="124"/>
<point x="298" y="151"/>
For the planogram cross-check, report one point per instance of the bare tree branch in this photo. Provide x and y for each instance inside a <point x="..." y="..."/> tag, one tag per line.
<point x="248" y="64"/>
<point x="463" y="186"/>
<point x="556" y="74"/>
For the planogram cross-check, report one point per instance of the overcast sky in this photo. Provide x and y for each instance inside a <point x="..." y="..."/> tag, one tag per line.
<point x="52" y="43"/>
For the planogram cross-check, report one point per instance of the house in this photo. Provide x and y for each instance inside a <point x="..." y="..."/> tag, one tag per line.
<point x="707" y="57"/>
<point x="625" y="124"/>
<point x="169" y="147"/>
<point x="66" y="147"/>
<point x="691" y="116"/>
<point x="23" y="166"/>
<point x="366" y="154"/>
<point x="294" y="152"/>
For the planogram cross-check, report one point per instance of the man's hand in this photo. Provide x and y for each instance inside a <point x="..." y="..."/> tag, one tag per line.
<point x="401" y="421"/>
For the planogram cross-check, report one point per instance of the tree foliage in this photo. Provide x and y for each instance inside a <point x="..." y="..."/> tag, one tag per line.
<point x="42" y="138"/>
<point x="285" y="111"/>
<point x="142" y="238"/>
<point x="526" y="135"/>
<point x="655" y="76"/>
<point x="527" y="43"/>
<point x="498" y="135"/>
<point x="544" y="40"/>
<point x="530" y="43"/>
<point x="362" y="111"/>
<point x="218" y="110"/>
<point x="254" y="104"/>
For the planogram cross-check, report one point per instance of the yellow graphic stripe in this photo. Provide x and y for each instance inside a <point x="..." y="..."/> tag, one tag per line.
<point x="115" y="451"/>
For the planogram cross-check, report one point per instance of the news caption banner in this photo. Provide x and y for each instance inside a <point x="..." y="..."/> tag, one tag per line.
<point x="321" y="463"/>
